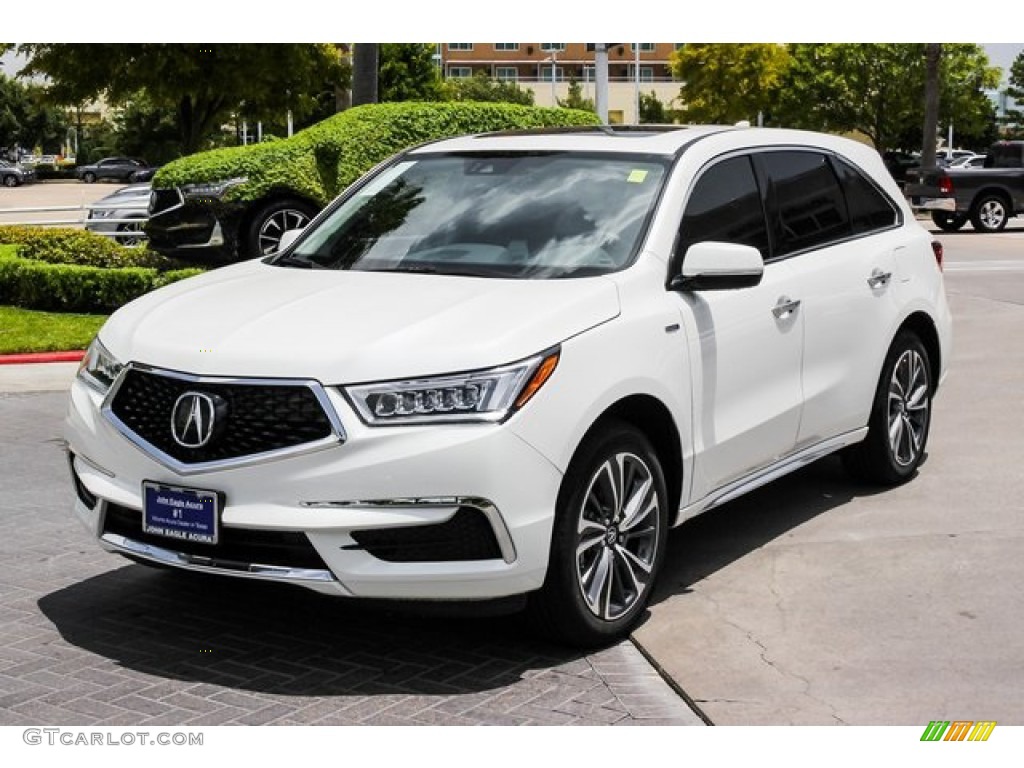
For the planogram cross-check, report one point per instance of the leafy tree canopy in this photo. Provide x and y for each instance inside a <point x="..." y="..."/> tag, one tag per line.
<point x="480" y="87"/>
<point x="1015" y="115"/>
<point x="725" y="82"/>
<point x="25" y="118"/>
<point x="408" y="72"/>
<point x="575" y="99"/>
<point x="202" y="83"/>
<point x="878" y="90"/>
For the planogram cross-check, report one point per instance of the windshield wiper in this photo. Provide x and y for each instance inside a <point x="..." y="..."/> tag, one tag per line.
<point x="292" y="261"/>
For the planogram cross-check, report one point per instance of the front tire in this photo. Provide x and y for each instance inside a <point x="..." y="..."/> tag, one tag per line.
<point x="608" y="541"/>
<point x="10" y="181"/>
<point x="89" y="177"/>
<point x="263" y="235"/>
<point x="990" y="214"/>
<point x="900" y="417"/>
<point x="949" y="222"/>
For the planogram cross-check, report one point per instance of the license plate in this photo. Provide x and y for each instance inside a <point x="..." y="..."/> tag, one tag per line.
<point x="180" y="513"/>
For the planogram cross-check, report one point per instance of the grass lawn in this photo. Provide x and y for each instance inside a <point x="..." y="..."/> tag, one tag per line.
<point x="25" y="330"/>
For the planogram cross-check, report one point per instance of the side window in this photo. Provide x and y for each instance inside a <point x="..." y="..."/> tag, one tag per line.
<point x="869" y="208"/>
<point x="810" y="204"/>
<point x="725" y="206"/>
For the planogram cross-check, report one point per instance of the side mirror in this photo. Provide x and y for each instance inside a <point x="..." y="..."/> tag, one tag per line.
<point x="288" y="237"/>
<point x="712" y="266"/>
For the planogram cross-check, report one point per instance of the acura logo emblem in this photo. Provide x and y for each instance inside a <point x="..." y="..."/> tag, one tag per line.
<point x="194" y="417"/>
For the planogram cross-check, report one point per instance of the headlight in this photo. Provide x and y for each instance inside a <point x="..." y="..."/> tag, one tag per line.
<point x="490" y="395"/>
<point x="99" y="368"/>
<point x="214" y="189"/>
<point x="101" y="213"/>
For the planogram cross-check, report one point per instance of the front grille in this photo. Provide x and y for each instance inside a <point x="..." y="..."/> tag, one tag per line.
<point x="257" y="418"/>
<point x="161" y="200"/>
<point x="468" y="535"/>
<point x="236" y="546"/>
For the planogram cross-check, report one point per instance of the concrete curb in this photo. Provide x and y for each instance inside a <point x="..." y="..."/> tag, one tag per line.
<point x="42" y="357"/>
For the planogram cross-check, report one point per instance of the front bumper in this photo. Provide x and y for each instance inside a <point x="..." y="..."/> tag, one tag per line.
<point x="342" y="499"/>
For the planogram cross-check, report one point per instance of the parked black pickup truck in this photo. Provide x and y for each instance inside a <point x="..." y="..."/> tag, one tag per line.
<point x="987" y="196"/>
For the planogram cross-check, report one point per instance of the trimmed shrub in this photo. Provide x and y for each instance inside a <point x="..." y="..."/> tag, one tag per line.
<point x="34" y="284"/>
<point x="78" y="246"/>
<point x="319" y="162"/>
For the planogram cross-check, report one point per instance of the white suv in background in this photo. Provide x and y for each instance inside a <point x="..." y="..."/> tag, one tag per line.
<point x="508" y="364"/>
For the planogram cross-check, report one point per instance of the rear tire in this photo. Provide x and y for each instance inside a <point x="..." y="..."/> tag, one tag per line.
<point x="990" y="214"/>
<point x="89" y="177"/>
<point x="608" y="542"/>
<point x="900" y="417"/>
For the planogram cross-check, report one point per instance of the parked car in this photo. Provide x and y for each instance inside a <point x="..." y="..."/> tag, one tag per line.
<point x="988" y="197"/>
<point x="946" y="157"/>
<point x="124" y="169"/>
<point x="14" y="174"/>
<point x="508" y="364"/>
<point x="122" y="214"/>
<point x="969" y="161"/>
<point x="234" y="203"/>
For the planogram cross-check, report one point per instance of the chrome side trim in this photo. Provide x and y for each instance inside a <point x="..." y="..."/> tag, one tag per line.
<point x="194" y="562"/>
<point x="489" y="510"/>
<point x="768" y="474"/>
<point x="337" y="438"/>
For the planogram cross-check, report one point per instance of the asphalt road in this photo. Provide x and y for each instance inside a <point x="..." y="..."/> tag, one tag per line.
<point x="46" y="194"/>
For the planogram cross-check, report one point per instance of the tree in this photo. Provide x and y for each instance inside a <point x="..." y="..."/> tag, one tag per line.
<point x="1015" y="90"/>
<point x="202" y="83"/>
<point x="652" y="110"/>
<point x="408" y="72"/>
<point x="25" y="118"/>
<point x="481" y="87"/>
<point x="365" y="73"/>
<point x="725" y="83"/>
<point x="933" y="58"/>
<point x="574" y="99"/>
<point x="877" y="89"/>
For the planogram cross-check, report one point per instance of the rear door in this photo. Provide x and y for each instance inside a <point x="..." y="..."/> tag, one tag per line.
<point x="842" y="237"/>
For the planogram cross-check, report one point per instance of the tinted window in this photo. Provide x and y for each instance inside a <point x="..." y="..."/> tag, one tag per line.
<point x="725" y="206"/>
<point x="810" y="204"/>
<point x="869" y="208"/>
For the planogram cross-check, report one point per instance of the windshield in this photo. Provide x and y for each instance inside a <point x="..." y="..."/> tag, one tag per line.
<point x="511" y="215"/>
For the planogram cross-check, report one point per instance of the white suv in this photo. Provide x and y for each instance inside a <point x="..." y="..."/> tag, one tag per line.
<point x="508" y="364"/>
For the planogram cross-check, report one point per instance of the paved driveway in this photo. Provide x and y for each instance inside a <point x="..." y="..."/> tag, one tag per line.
<point x="818" y="601"/>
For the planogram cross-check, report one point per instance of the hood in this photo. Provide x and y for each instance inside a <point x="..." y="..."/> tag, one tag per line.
<point x="253" y="319"/>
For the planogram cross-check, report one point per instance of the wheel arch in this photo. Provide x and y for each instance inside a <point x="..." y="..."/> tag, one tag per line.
<point x="996" y="191"/>
<point x="275" y="195"/>
<point x="653" y="418"/>
<point x="921" y="325"/>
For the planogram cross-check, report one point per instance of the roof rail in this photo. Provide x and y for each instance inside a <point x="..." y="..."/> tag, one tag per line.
<point x="607" y="130"/>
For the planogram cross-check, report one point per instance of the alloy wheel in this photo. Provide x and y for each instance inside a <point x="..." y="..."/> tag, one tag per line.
<point x="275" y="225"/>
<point x="992" y="213"/>
<point x="617" y="536"/>
<point x="909" y="406"/>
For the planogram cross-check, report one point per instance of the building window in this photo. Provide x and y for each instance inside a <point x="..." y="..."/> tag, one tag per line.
<point x="506" y="73"/>
<point x="644" y="47"/>
<point x="506" y="46"/>
<point x="646" y="74"/>
<point x="460" y="46"/>
<point x="460" y="71"/>
<point x="589" y="73"/>
<point x="549" y="47"/>
<point x="545" y="73"/>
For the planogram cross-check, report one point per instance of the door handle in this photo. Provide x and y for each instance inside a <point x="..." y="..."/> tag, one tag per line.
<point x="785" y="307"/>
<point x="879" y="278"/>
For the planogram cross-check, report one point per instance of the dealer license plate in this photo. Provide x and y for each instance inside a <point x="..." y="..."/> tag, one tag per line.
<point x="180" y="513"/>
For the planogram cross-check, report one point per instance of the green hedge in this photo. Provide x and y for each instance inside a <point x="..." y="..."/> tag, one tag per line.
<point x="58" y="245"/>
<point x="34" y="284"/>
<point x="319" y="162"/>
